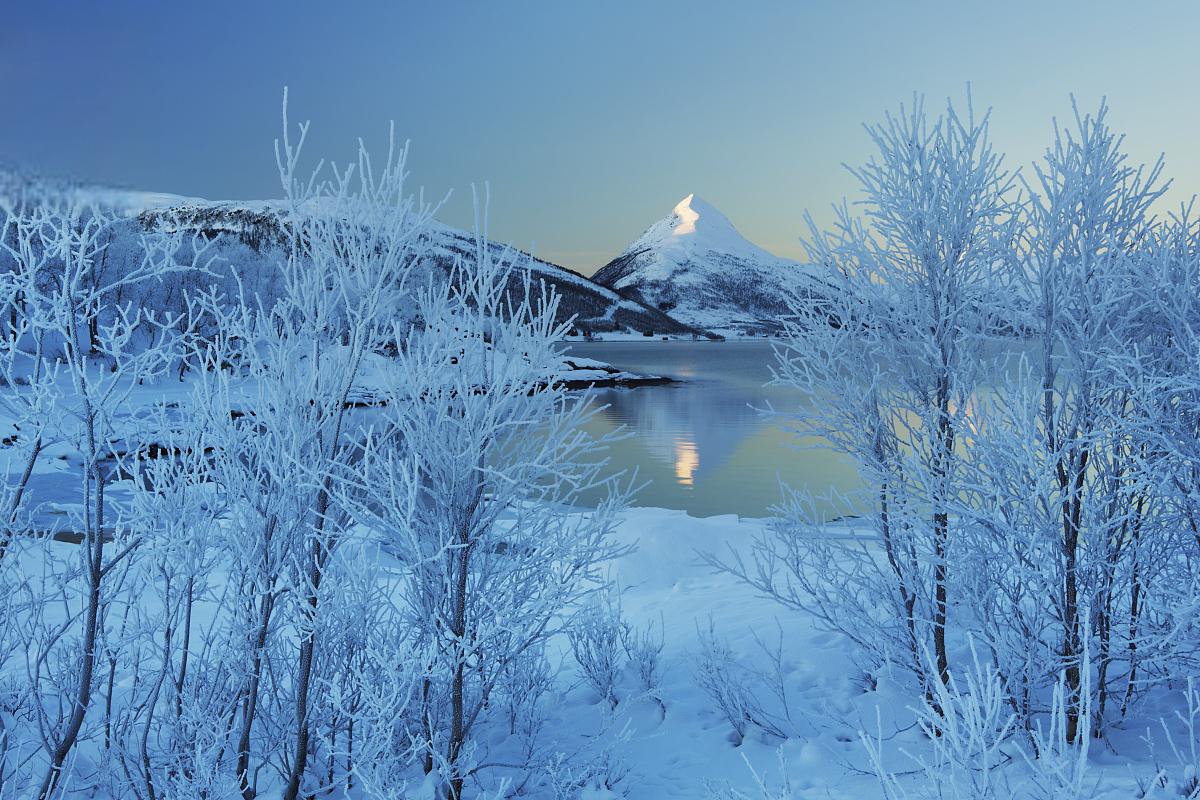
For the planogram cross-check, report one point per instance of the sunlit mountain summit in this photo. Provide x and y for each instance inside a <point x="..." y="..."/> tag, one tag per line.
<point x="694" y="265"/>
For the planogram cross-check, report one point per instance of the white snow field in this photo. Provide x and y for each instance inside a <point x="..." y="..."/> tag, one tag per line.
<point x="674" y="741"/>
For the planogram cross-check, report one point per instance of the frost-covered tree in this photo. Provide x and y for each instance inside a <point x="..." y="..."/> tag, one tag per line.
<point x="282" y="384"/>
<point x="71" y="350"/>
<point x="1062" y="507"/>
<point x="889" y="353"/>
<point x="322" y="555"/>
<point x="1090" y="210"/>
<point x="1147" y="590"/>
<point x="468" y="482"/>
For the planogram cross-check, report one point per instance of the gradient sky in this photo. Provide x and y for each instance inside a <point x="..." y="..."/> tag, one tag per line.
<point x="589" y="120"/>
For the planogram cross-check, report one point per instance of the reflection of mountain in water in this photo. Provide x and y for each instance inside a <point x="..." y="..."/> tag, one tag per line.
<point x="692" y="427"/>
<point x="699" y="444"/>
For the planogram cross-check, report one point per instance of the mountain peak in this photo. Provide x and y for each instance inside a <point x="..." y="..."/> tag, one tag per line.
<point x="687" y="215"/>
<point x="693" y="227"/>
<point x="695" y="265"/>
<point x="692" y="216"/>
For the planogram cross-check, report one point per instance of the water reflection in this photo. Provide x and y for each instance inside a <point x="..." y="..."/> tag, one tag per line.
<point x="702" y="443"/>
<point x="686" y="462"/>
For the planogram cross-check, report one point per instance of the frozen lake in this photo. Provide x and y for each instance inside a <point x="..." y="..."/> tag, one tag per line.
<point x="701" y="442"/>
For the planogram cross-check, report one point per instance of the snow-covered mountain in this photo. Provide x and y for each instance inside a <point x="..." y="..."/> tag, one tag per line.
<point x="596" y="308"/>
<point x="250" y="235"/>
<point x="695" y="266"/>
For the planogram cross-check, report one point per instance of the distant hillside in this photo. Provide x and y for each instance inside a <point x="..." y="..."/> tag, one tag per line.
<point x="251" y="241"/>
<point x="596" y="307"/>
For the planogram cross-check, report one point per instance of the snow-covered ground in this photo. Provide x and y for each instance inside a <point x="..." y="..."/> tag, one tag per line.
<point x="679" y="748"/>
<point x="673" y="741"/>
<point x="684" y="747"/>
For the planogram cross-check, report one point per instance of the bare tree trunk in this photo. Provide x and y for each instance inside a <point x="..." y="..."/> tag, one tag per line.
<point x="427" y="721"/>
<point x="458" y="732"/>
<point x="109" y="687"/>
<point x="1135" y="597"/>
<point x="331" y="759"/>
<point x="350" y="753"/>
<point x="457" y="711"/>
<point x="94" y="541"/>
<point x="1072" y="509"/>
<point x="1129" y="532"/>
<point x="15" y="505"/>
<point x="941" y="529"/>
<point x="250" y="704"/>
<point x="187" y="643"/>
<point x="907" y="597"/>
<point x="321" y="551"/>
<point x="319" y="559"/>
<point x="147" y="772"/>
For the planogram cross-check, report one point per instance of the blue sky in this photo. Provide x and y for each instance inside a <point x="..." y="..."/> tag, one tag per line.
<point x="589" y="120"/>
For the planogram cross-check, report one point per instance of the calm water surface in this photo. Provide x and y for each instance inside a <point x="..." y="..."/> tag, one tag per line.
<point x="701" y="442"/>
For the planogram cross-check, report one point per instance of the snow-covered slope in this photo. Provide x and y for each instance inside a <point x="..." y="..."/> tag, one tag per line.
<point x="596" y="308"/>
<point x="250" y="234"/>
<point x="695" y="266"/>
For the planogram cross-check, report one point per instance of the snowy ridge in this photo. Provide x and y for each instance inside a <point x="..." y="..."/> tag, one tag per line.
<point x="694" y="265"/>
<point x="615" y="307"/>
<point x="251" y="228"/>
<point x="127" y="202"/>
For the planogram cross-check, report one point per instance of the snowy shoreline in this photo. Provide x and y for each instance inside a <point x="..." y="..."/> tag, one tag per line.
<point x="584" y="373"/>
